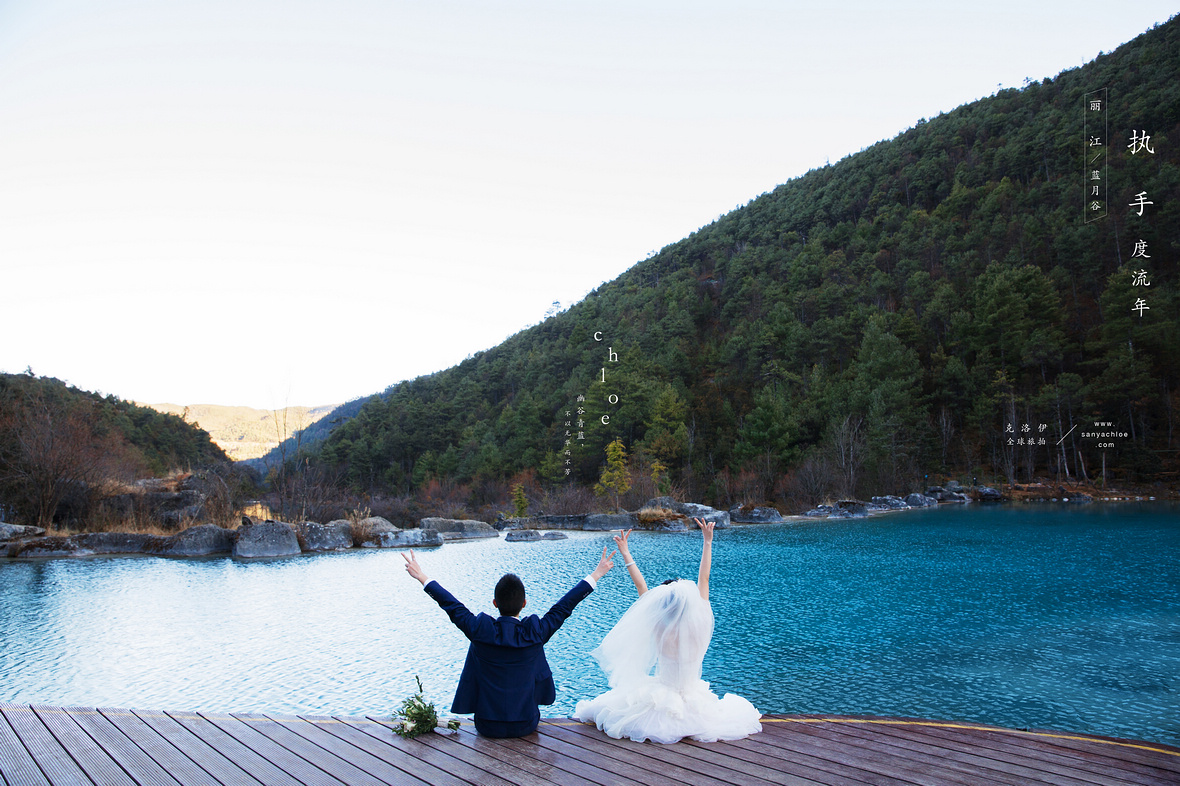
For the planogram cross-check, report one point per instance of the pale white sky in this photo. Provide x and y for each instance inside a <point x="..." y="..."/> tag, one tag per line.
<point x="267" y="203"/>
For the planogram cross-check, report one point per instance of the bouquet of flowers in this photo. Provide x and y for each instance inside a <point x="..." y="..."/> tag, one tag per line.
<point x="416" y="716"/>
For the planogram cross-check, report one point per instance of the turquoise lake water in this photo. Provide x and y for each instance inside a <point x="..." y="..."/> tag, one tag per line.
<point x="1059" y="617"/>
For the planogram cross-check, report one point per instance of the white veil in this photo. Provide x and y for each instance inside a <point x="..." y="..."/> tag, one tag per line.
<point x="668" y="628"/>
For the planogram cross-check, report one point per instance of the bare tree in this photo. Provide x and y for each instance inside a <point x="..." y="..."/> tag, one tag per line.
<point x="946" y="431"/>
<point x="848" y="446"/>
<point x="49" y="450"/>
<point x="809" y="483"/>
<point x="288" y="479"/>
<point x="226" y="487"/>
<point x="310" y="492"/>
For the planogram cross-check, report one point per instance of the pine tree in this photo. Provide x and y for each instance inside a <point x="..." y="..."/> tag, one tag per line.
<point x="520" y="502"/>
<point x="659" y="477"/>
<point x="614" y="479"/>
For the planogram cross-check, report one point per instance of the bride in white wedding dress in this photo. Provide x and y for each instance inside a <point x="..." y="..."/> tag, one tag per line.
<point x="652" y="659"/>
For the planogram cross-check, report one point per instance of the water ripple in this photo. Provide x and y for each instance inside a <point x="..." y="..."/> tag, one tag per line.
<point x="1051" y="617"/>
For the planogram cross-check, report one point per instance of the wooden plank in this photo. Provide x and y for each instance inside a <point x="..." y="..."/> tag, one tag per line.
<point x="16" y="765"/>
<point x="920" y="767"/>
<point x="1133" y="753"/>
<point x="757" y="748"/>
<point x="1031" y="752"/>
<point x="927" y="753"/>
<point x="138" y="765"/>
<point x="826" y="761"/>
<point x="547" y="754"/>
<point x="1137" y="750"/>
<point x="654" y="757"/>
<point x="1082" y="755"/>
<point x="280" y="732"/>
<point x="825" y="756"/>
<point x="291" y="763"/>
<point x="638" y="770"/>
<point x="373" y="738"/>
<point x="545" y="766"/>
<point x="498" y="765"/>
<point x="180" y="767"/>
<point x="527" y="754"/>
<point x="89" y="755"/>
<point x="457" y="767"/>
<point x="751" y="763"/>
<point x="57" y="765"/>
<point x="355" y="747"/>
<point x="969" y="746"/>
<point x="716" y="765"/>
<point x="46" y="752"/>
<point x="242" y="756"/>
<point x="194" y="748"/>
<point x="1150" y="754"/>
<point x="40" y="746"/>
<point x="316" y="730"/>
<point x="53" y="760"/>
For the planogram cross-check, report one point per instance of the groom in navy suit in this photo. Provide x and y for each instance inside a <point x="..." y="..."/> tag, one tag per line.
<point x="506" y="675"/>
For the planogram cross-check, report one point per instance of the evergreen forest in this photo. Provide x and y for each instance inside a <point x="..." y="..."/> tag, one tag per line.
<point x="941" y="304"/>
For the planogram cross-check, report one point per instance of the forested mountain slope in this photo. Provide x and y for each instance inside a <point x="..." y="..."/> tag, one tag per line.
<point x="57" y="441"/>
<point x="884" y="318"/>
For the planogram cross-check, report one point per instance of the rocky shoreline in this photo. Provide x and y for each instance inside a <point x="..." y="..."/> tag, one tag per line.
<point x="953" y="493"/>
<point x="251" y="540"/>
<point x="273" y="539"/>
<point x="662" y="514"/>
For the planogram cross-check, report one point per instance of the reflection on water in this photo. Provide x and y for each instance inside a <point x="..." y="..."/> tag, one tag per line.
<point x="259" y="511"/>
<point x="1052" y="617"/>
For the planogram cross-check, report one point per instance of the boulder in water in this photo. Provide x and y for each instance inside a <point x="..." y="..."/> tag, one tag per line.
<point x="389" y="536"/>
<point x="888" y="502"/>
<point x="853" y="507"/>
<point x="199" y="541"/>
<point x="605" y="522"/>
<point x="18" y="531"/>
<point x="720" y="518"/>
<point x="459" y="529"/>
<point x="269" y="539"/>
<point x="751" y="515"/>
<point x="333" y="536"/>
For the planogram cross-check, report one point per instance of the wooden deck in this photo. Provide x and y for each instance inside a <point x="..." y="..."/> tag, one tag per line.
<point x="54" y="745"/>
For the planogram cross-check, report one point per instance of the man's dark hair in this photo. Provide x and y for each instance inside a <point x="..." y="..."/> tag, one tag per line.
<point x="510" y="594"/>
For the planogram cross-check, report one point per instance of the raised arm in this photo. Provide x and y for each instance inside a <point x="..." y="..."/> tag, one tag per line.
<point x="553" y="618"/>
<point x="629" y="562"/>
<point x="706" y="556"/>
<point x="460" y="615"/>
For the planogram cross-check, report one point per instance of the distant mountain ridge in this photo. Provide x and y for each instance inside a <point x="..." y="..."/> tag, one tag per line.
<point x="244" y="432"/>
<point x="303" y="441"/>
